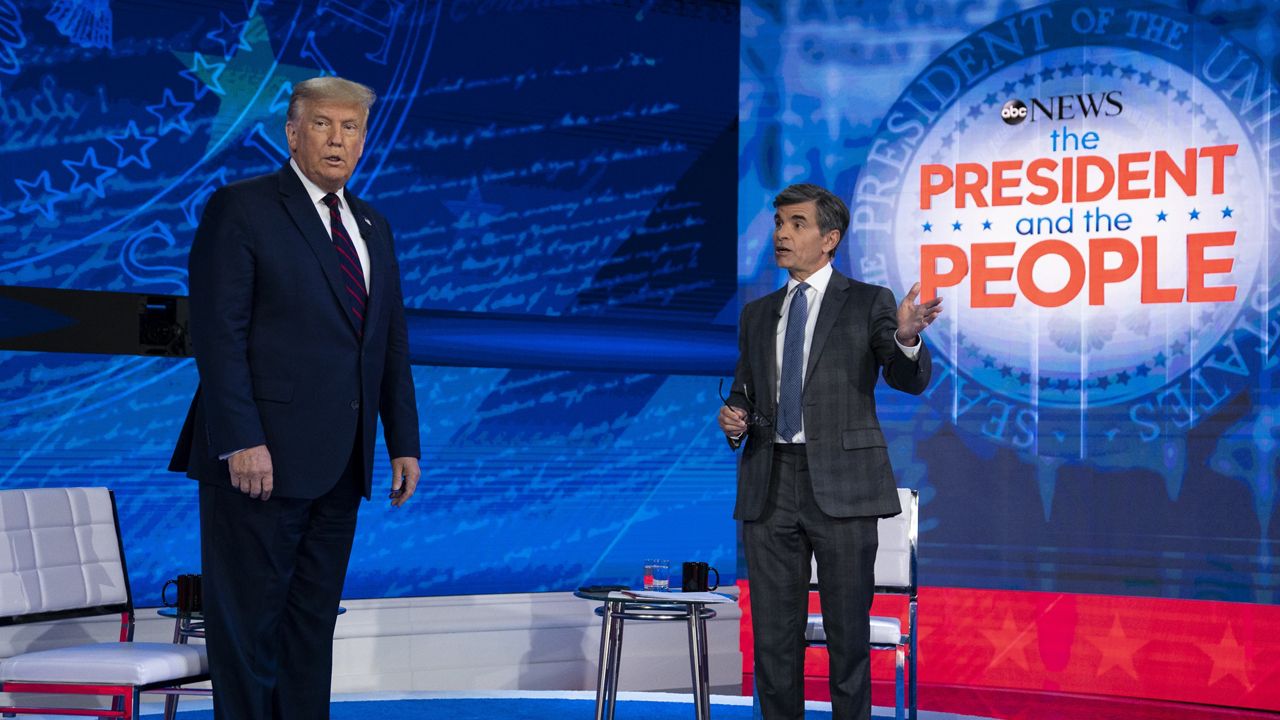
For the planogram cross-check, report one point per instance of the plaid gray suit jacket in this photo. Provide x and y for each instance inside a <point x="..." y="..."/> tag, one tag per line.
<point x="848" y="457"/>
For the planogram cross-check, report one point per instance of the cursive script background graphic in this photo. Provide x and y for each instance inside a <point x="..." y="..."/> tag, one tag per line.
<point x="544" y="165"/>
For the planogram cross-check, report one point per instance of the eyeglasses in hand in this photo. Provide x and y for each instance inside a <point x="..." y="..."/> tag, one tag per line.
<point x="754" y="416"/>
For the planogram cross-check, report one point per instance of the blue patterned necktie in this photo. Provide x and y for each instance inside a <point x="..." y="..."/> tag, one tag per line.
<point x="790" y="410"/>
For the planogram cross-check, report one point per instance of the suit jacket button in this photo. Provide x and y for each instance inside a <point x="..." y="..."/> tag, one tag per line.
<point x="355" y="404"/>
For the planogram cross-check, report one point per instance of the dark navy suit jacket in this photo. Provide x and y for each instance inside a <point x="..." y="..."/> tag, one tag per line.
<point x="281" y="361"/>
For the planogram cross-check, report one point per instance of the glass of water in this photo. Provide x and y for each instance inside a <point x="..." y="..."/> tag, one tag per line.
<point x="657" y="574"/>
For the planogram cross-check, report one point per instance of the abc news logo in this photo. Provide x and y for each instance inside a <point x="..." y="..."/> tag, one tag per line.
<point x="1063" y="107"/>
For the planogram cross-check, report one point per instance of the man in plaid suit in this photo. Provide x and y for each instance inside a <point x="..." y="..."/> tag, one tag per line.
<point x="814" y="476"/>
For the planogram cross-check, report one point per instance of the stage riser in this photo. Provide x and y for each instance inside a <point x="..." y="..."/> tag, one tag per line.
<point x="526" y="641"/>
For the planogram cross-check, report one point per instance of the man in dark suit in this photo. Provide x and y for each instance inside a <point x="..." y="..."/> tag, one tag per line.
<point x="298" y="326"/>
<point x="814" y="475"/>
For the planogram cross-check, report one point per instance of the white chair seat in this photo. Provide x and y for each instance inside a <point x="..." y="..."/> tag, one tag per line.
<point x="117" y="663"/>
<point x="884" y="630"/>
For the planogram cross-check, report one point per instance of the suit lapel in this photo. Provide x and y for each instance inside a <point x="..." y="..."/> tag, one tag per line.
<point x="832" y="301"/>
<point x="298" y="203"/>
<point x="379" y="258"/>
<point x="769" y="331"/>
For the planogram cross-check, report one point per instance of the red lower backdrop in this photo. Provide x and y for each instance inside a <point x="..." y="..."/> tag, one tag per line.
<point x="1192" y="651"/>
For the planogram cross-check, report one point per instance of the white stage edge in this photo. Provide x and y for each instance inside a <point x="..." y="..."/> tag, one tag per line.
<point x="521" y="641"/>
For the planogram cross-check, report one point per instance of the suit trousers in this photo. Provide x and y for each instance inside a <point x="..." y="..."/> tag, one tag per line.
<point x="273" y="576"/>
<point x="778" y="547"/>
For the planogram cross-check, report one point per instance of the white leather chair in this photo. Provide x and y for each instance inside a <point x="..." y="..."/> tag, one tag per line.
<point x="61" y="558"/>
<point x="895" y="574"/>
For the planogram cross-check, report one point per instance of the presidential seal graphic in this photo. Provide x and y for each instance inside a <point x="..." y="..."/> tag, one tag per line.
<point x="1086" y="189"/>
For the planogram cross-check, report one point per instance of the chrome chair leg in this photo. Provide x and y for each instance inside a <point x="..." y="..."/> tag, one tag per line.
<point x="899" y="698"/>
<point x="615" y="666"/>
<point x="606" y="652"/>
<point x="706" y="668"/>
<point x="913" y="654"/>
<point x="694" y="670"/>
<point x="912" y="707"/>
<point x="697" y="668"/>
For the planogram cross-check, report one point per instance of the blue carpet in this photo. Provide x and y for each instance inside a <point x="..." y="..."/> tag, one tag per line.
<point x="517" y="709"/>
<point x="539" y="705"/>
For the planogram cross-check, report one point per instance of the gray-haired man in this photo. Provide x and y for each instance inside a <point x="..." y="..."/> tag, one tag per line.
<point x="814" y="475"/>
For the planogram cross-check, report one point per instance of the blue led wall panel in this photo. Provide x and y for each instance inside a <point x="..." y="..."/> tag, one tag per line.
<point x="533" y="480"/>
<point x="540" y="163"/>
<point x="572" y="158"/>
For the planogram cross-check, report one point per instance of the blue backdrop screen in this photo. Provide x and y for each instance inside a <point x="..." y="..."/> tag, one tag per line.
<point x="1120" y="444"/>
<point x="536" y="161"/>
<point x="533" y="480"/>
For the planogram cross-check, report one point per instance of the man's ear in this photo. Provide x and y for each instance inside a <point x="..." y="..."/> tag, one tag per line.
<point x="830" y="241"/>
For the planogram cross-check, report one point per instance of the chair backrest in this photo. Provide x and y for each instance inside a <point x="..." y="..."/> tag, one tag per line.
<point x="60" y="555"/>
<point x="896" y="557"/>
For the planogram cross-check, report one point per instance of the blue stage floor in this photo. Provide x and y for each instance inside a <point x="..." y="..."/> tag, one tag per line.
<point x="539" y="705"/>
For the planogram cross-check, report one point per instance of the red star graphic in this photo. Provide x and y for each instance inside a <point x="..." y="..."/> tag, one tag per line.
<point x="1117" y="650"/>
<point x="1010" y="642"/>
<point x="1230" y="659"/>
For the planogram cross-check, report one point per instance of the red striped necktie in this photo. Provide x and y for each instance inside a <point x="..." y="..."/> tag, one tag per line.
<point x="349" y="261"/>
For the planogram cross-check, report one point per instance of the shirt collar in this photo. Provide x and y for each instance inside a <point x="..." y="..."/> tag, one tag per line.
<point x="315" y="191"/>
<point x="818" y="280"/>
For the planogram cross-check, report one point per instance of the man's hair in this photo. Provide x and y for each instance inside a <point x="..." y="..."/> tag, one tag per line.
<point x="833" y="214"/>
<point x="330" y="88"/>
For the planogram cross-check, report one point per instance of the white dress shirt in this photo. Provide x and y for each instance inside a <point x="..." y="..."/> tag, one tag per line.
<point x="817" y="282"/>
<point x="344" y="209"/>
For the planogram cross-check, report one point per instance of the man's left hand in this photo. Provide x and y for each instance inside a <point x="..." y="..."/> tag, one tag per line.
<point x="404" y="479"/>
<point x="913" y="318"/>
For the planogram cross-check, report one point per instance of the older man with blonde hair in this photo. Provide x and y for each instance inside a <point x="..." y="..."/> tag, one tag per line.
<point x="297" y="321"/>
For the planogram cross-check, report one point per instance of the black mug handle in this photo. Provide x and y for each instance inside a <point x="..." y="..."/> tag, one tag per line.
<point x="165" y="590"/>
<point x="717" y="585"/>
